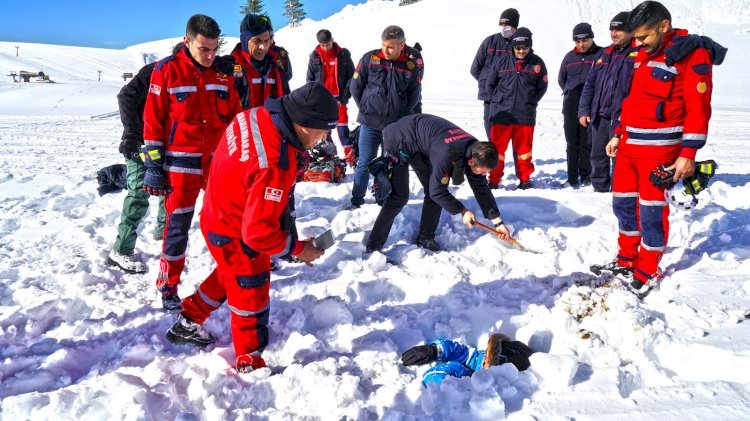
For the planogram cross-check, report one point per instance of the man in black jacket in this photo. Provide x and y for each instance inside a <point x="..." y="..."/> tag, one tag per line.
<point x="386" y="87"/>
<point x="433" y="147"/>
<point x="131" y="101"/>
<point x="572" y="76"/>
<point x="515" y="84"/>
<point x="332" y="66"/>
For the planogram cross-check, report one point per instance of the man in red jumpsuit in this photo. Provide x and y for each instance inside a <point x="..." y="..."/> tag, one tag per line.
<point x="252" y="173"/>
<point x="664" y="121"/>
<point x="188" y="106"/>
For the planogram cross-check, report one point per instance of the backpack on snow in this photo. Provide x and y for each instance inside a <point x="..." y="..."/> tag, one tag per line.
<point x="324" y="164"/>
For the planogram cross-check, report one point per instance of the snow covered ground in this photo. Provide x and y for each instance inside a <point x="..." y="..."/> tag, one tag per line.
<point x="82" y="340"/>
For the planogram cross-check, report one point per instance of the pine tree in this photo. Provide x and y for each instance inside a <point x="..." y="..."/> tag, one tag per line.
<point x="253" y="6"/>
<point x="293" y="9"/>
<point x="406" y="2"/>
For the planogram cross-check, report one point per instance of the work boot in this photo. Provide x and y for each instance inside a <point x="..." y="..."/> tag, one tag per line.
<point x="186" y="331"/>
<point x="524" y="185"/>
<point x="493" y="186"/>
<point x="248" y="362"/>
<point x="170" y="300"/>
<point x="428" y="243"/>
<point x="613" y="267"/>
<point x="127" y="262"/>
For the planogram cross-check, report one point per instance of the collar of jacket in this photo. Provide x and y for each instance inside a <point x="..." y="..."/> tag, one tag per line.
<point x="332" y="53"/>
<point x="684" y="43"/>
<point x="401" y="57"/>
<point x="283" y="122"/>
<point x="184" y="54"/>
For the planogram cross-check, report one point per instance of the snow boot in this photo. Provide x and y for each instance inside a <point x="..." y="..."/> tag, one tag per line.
<point x="525" y="185"/>
<point x="170" y="300"/>
<point x="127" y="262"/>
<point x="614" y="268"/>
<point x="186" y="331"/>
<point x="248" y="362"/>
<point x="368" y="252"/>
<point x="428" y="243"/>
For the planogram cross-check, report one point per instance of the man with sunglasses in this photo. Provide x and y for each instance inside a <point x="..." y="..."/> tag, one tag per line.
<point x="491" y="48"/>
<point x="572" y="76"/>
<point x="189" y="104"/>
<point x="332" y="66"/>
<point x="515" y="84"/>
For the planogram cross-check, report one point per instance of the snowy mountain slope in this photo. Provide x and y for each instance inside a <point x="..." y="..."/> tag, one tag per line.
<point x="82" y="340"/>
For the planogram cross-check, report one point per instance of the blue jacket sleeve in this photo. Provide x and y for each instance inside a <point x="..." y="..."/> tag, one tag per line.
<point x="438" y="373"/>
<point x="479" y="60"/>
<point x="584" y="104"/>
<point x="310" y="72"/>
<point x="442" y="168"/>
<point x="359" y="80"/>
<point x="562" y="76"/>
<point x="448" y="350"/>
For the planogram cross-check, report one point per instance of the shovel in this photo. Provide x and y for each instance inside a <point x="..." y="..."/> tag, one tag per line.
<point x="511" y="239"/>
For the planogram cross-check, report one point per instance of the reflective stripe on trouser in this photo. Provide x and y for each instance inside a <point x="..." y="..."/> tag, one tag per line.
<point x="134" y="208"/>
<point x="642" y="214"/>
<point x="245" y="283"/>
<point x="522" y="137"/>
<point x="180" y="207"/>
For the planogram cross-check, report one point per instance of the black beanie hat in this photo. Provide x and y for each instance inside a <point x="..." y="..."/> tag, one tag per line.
<point x="312" y="106"/>
<point x="619" y="21"/>
<point x="509" y="17"/>
<point x="521" y="37"/>
<point x="253" y="25"/>
<point x="582" y="31"/>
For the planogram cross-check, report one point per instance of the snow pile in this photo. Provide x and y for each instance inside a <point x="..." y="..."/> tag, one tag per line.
<point x="80" y="339"/>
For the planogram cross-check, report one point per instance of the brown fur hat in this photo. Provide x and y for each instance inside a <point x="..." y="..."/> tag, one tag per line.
<point x="501" y="349"/>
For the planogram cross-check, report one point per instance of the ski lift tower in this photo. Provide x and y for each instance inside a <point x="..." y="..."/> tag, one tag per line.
<point x="100" y="75"/>
<point x="17" y="47"/>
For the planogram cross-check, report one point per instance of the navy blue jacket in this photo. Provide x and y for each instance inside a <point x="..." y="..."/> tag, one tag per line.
<point x="608" y="83"/>
<point x="572" y="76"/>
<point x="384" y="90"/>
<point x="345" y="71"/>
<point x="442" y="145"/>
<point x="492" y="47"/>
<point x="515" y="88"/>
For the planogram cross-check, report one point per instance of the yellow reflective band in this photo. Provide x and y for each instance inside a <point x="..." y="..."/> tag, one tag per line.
<point x="143" y="156"/>
<point x="154" y="154"/>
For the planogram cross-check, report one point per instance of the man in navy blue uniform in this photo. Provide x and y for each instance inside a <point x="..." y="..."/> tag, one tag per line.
<point x="573" y="71"/>
<point x="516" y="83"/>
<point x="433" y="147"/>
<point x="607" y="84"/>
<point x="493" y="46"/>
<point x="386" y="87"/>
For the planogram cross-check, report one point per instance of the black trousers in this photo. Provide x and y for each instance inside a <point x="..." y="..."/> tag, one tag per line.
<point x="578" y="139"/>
<point x="601" y="175"/>
<point x="399" y="197"/>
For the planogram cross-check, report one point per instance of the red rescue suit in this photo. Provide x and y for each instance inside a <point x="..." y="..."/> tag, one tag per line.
<point x="251" y="176"/>
<point x="254" y="88"/>
<point x="187" y="109"/>
<point x="664" y="117"/>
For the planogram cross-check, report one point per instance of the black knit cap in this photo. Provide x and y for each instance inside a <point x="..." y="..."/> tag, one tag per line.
<point x="510" y="17"/>
<point x="521" y="37"/>
<point x="312" y="106"/>
<point x="619" y="21"/>
<point x="253" y="25"/>
<point x="582" y="31"/>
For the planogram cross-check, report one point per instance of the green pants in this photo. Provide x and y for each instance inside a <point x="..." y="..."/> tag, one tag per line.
<point x="134" y="208"/>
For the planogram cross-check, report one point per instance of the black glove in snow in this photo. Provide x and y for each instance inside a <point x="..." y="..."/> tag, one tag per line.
<point x="420" y="354"/>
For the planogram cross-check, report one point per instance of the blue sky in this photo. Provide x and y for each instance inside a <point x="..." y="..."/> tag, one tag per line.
<point x="118" y="24"/>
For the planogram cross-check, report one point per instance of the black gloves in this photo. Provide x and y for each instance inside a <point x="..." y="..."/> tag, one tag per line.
<point x="129" y="149"/>
<point x="420" y="354"/>
<point x="662" y="177"/>
<point x="697" y="182"/>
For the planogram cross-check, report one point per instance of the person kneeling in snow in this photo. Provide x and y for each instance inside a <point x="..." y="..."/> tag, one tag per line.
<point x="459" y="360"/>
